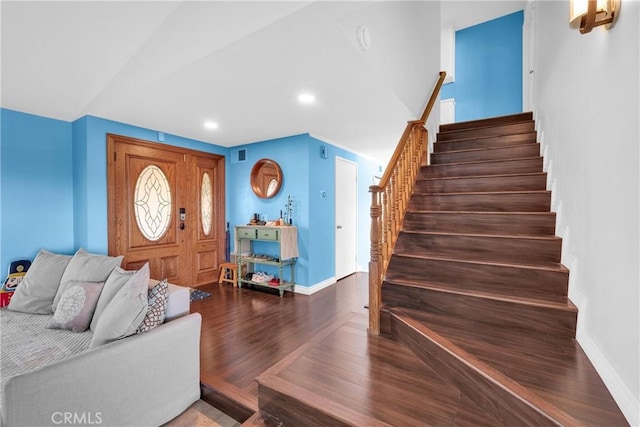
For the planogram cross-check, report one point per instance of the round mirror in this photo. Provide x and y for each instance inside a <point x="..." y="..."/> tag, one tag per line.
<point x="266" y="178"/>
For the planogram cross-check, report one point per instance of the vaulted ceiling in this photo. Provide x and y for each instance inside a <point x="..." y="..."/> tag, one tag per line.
<point x="171" y="66"/>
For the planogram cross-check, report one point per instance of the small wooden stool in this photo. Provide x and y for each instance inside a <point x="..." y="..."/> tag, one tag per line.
<point x="229" y="273"/>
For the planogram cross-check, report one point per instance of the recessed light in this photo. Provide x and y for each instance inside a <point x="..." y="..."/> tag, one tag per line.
<point x="306" y="98"/>
<point x="211" y="125"/>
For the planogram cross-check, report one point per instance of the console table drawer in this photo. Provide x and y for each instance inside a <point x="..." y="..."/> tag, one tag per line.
<point x="247" y="233"/>
<point x="267" y="234"/>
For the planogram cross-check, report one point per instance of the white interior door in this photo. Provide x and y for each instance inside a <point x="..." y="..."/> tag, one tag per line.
<point x="528" y="57"/>
<point x="346" y="217"/>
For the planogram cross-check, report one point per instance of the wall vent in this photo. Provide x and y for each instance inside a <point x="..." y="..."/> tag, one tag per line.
<point x="239" y="156"/>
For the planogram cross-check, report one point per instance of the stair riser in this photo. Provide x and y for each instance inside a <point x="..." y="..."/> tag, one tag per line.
<point x="510" y="129"/>
<point x="291" y="411"/>
<point x="503" y="402"/>
<point x="486" y="142"/>
<point x="504" y="167"/>
<point x="520" y="317"/>
<point x="489" y="223"/>
<point x="521" y="151"/>
<point x="478" y="184"/>
<point x="495" y="279"/>
<point x="500" y="202"/>
<point x="493" y="121"/>
<point x="497" y="249"/>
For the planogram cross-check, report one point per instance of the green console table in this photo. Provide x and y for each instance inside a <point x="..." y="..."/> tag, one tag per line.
<point x="286" y="237"/>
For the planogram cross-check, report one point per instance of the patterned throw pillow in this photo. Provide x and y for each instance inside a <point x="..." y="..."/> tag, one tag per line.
<point x="158" y="296"/>
<point x="76" y="306"/>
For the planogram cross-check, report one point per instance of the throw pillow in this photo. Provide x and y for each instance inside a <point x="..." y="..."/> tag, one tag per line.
<point x="116" y="280"/>
<point x="157" y="296"/>
<point x="86" y="267"/>
<point x="125" y="312"/>
<point x="38" y="289"/>
<point x="76" y="306"/>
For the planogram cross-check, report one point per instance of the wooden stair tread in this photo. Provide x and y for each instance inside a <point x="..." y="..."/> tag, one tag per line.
<point x="488" y="236"/>
<point x="498" y="120"/>
<point x="488" y="213"/>
<point x="499" y="175"/>
<point x="508" y="129"/>
<point x="553" y="367"/>
<point x="472" y="150"/>
<point x="551" y="301"/>
<point x="445" y="165"/>
<point x="488" y="193"/>
<point x="547" y="266"/>
<point x="486" y="141"/>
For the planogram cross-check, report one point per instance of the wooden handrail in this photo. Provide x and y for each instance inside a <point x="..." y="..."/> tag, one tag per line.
<point x="389" y="200"/>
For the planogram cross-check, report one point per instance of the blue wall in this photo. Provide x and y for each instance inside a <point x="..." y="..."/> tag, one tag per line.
<point x="90" y="173"/>
<point x="488" y="69"/>
<point x="56" y="173"/>
<point x="306" y="174"/>
<point x="37" y="186"/>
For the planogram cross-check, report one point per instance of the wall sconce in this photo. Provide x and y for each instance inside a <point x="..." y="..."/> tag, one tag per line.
<point x="586" y="14"/>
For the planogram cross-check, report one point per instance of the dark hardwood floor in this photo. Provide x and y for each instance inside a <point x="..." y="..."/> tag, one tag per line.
<point x="245" y="332"/>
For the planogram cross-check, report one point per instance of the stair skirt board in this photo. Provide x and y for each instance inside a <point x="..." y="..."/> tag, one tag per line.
<point x="508" y="401"/>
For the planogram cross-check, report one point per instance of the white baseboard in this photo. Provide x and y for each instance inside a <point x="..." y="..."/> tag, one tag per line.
<point x="629" y="405"/>
<point x="308" y="290"/>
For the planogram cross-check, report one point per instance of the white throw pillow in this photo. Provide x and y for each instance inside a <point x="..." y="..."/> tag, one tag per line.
<point x="125" y="312"/>
<point x="36" y="292"/>
<point x="76" y="306"/>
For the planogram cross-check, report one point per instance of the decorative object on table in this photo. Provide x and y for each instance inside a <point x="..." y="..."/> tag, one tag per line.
<point x="256" y="220"/>
<point x="288" y="211"/>
<point x="197" y="294"/>
<point x="17" y="271"/>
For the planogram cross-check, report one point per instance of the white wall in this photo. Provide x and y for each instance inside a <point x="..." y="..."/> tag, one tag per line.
<point x="587" y="105"/>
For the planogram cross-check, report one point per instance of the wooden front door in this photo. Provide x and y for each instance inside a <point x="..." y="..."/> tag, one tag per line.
<point x="166" y="207"/>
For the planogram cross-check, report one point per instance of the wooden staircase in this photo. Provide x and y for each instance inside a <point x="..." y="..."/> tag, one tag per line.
<point x="475" y="286"/>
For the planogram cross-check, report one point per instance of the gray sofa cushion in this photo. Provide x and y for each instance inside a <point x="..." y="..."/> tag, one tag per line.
<point x="36" y="292"/>
<point x="125" y="312"/>
<point x="86" y="267"/>
<point x="116" y="280"/>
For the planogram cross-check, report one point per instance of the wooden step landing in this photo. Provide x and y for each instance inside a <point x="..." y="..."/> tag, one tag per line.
<point x="347" y="377"/>
<point x="555" y="369"/>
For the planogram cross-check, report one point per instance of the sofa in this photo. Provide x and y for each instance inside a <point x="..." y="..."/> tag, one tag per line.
<point x="54" y="373"/>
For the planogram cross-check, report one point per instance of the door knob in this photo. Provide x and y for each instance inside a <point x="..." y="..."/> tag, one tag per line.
<point x="339" y="227"/>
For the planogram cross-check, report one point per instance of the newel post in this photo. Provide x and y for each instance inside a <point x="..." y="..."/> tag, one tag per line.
<point x="375" y="267"/>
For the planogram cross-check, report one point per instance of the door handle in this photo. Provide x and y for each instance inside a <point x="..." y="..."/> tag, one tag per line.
<point x="339" y="227"/>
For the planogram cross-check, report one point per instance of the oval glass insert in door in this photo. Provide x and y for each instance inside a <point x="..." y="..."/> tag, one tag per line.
<point x="152" y="201"/>
<point x="206" y="204"/>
